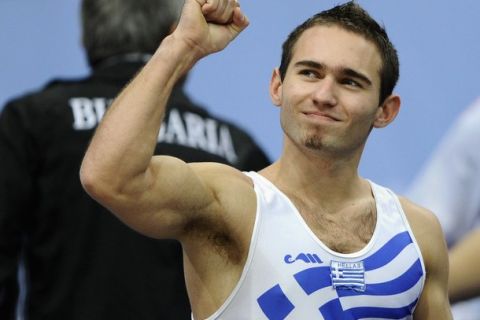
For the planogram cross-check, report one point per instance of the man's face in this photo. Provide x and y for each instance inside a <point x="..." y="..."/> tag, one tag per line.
<point x="329" y="97"/>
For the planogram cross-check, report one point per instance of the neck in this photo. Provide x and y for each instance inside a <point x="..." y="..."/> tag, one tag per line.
<point x="318" y="176"/>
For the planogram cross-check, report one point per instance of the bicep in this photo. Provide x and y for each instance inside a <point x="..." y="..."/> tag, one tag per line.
<point x="161" y="200"/>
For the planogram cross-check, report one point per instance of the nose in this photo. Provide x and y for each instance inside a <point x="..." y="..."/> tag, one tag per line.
<point x="325" y="92"/>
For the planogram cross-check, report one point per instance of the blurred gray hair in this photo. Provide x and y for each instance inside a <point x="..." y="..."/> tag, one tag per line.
<point x="115" y="27"/>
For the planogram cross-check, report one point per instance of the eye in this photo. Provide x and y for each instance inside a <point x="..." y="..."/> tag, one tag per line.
<point x="308" y="73"/>
<point x="350" y="82"/>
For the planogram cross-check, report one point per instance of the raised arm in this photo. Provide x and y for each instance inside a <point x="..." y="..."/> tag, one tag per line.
<point x="119" y="170"/>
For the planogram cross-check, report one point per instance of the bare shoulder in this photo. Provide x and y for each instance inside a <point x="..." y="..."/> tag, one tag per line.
<point x="425" y="225"/>
<point x="219" y="174"/>
<point x="232" y="189"/>
<point x="428" y="233"/>
<point x="229" y="185"/>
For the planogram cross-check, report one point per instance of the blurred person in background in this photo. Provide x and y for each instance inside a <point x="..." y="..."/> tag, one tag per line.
<point x="80" y="262"/>
<point x="449" y="185"/>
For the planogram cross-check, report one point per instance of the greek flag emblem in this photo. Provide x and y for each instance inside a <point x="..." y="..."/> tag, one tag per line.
<point x="348" y="275"/>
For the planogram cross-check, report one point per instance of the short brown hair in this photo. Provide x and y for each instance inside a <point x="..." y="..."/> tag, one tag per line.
<point x="354" y="18"/>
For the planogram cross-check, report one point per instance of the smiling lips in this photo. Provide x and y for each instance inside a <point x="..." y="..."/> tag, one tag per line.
<point x="320" y="115"/>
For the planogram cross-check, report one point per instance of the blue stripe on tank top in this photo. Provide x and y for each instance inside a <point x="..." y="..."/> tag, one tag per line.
<point x="314" y="279"/>
<point x="388" y="251"/>
<point x="383" y="313"/>
<point x="333" y="310"/>
<point x="275" y="304"/>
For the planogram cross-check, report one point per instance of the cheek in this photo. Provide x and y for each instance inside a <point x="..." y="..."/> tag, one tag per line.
<point x="289" y="117"/>
<point x="288" y="102"/>
<point x="363" y="107"/>
<point x="285" y="114"/>
<point x="294" y="91"/>
<point x="364" y="120"/>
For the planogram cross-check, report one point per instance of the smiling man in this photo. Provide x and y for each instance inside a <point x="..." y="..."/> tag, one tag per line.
<point x="304" y="238"/>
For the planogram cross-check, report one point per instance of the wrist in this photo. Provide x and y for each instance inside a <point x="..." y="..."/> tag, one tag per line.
<point x="180" y="54"/>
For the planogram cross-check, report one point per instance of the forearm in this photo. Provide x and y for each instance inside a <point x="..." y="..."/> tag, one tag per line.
<point x="132" y="123"/>
<point x="464" y="282"/>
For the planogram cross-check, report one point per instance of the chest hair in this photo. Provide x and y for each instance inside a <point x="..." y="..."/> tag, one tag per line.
<point x="347" y="230"/>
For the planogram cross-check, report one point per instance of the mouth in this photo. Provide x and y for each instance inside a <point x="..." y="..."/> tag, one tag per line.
<point x="320" y="115"/>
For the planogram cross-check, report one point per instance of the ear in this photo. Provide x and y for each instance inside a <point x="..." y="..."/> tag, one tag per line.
<point x="387" y="112"/>
<point x="276" y="88"/>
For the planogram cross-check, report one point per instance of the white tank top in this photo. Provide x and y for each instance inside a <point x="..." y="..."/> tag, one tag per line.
<point x="291" y="274"/>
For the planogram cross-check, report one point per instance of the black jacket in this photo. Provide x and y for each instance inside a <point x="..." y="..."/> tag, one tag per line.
<point x="80" y="261"/>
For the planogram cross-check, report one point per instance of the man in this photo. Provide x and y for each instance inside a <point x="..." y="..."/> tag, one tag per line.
<point x="81" y="262"/>
<point x="305" y="238"/>
<point x="449" y="185"/>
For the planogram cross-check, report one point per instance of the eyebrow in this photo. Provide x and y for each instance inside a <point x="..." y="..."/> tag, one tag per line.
<point x="354" y="74"/>
<point x="344" y="71"/>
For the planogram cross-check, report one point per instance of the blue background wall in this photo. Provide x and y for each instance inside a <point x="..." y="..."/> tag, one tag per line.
<point x="438" y="43"/>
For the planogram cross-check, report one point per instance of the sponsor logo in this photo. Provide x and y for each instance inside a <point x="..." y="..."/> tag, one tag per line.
<point x="305" y="257"/>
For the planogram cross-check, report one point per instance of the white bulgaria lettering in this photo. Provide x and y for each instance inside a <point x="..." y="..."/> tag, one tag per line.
<point x="87" y="112"/>
<point x="199" y="133"/>
<point x="187" y="129"/>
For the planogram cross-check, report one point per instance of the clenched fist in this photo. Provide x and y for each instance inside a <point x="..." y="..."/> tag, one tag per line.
<point x="208" y="26"/>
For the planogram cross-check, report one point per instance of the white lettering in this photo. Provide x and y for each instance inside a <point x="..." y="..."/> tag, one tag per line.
<point x="196" y="131"/>
<point x="100" y="105"/>
<point x="212" y="136"/>
<point x="175" y="132"/>
<point x="191" y="130"/>
<point x="225" y="146"/>
<point x="87" y="113"/>
<point x="83" y="114"/>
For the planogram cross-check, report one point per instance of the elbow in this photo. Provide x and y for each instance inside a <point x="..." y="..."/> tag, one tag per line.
<point x="94" y="184"/>
<point x="108" y="187"/>
<point x="87" y="179"/>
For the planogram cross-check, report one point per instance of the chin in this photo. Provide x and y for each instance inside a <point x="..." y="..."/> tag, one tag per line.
<point x="314" y="143"/>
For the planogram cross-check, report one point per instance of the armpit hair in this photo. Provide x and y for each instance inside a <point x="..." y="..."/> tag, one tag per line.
<point x="216" y="234"/>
